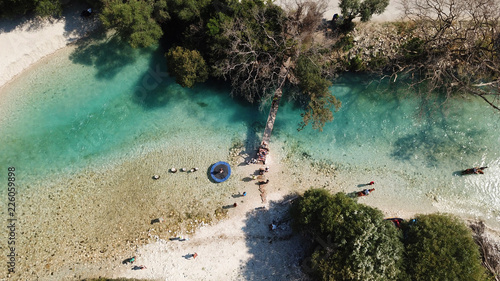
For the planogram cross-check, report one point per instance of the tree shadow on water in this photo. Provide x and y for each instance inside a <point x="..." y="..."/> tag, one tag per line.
<point x="109" y="55"/>
<point x="276" y="254"/>
<point x="437" y="141"/>
<point x="155" y="87"/>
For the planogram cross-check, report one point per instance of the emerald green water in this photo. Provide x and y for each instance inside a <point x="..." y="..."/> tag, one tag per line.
<point x="96" y="106"/>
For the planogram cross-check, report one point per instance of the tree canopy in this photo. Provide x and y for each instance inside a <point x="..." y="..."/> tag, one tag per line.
<point x="13" y="8"/>
<point x="363" y="9"/>
<point x="440" y="247"/>
<point x="187" y="66"/>
<point x="316" y="88"/>
<point x="454" y="47"/>
<point x="134" y="20"/>
<point x="356" y="242"/>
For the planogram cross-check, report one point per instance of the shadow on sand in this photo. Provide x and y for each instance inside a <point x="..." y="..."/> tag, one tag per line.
<point x="276" y="254"/>
<point x="75" y="25"/>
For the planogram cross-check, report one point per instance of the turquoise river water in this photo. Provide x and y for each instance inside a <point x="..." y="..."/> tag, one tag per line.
<point x="95" y="106"/>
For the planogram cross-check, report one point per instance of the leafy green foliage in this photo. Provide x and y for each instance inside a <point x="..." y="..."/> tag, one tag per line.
<point x="316" y="88"/>
<point x="440" y="247"/>
<point x="345" y="43"/>
<point x="43" y="8"/>
<point x="47" y="8"/>
<point x="187" y="66"/>
<point x="356" y="243"/>
<point x="356" y="64"/>
<point x="216" y="23"/>
<point x="413" y="49"/>
<point x="133" y="20"/>
<point x="187" y="10"/>
<point x="363" y="9"/>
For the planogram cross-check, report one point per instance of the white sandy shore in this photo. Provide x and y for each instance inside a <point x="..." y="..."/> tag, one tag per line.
<point x="25" y="41"/>
<point x="240" y="247"/>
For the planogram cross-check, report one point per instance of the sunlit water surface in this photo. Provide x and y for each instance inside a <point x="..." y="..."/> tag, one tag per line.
<point x="96" y="106"/>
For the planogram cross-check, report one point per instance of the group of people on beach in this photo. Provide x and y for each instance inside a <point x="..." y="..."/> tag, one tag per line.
<point x="366" y="191"/>
<point x="132" y="260"/>
<point x="262" y="153"/>
<point x="174" y="170"/>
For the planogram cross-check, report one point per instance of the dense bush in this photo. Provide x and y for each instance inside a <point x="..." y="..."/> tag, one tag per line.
<point x="44" y="8"/>
<point x="354" y="242"/>
<point x="133" y="20"/>
<point x="187" y="66"/>
<point x="413" y="49"/>
<point x="357" y="244"/>
<point x="440" y="247"/>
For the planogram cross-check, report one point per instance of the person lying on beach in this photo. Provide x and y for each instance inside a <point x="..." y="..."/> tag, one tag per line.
<point x="365" y="192"/>
<point x="264" y="182"/>
<point x="138" y="267"/>
<point x="129" y="260"/>
<point x="252" y="161"/>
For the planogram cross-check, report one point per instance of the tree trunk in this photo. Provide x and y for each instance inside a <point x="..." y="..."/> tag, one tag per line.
<point x="272" y="115"/>
<point x="276" y="102"/>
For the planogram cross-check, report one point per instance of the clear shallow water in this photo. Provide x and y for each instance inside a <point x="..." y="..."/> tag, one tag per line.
<point x="98" y="105"/>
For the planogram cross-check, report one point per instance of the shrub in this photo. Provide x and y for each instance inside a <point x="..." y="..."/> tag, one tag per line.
<point x="187" y="66"/>
<point x="345" y="43"/>
<point x="440" y="247"/>
<point x="413" y="49"/>
<point x="356" y="64"/>
<point x="356" y="242"/>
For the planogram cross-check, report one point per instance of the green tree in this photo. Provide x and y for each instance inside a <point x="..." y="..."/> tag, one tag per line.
<point x="440" y="247"/>
<point x="355" y="242"/>
<point x="187" y="10"/>
<point x="363" y="9"/>
<point x="187" y="66"/>
<point x="43" y="8"/>
<point x="263" y="44"/>
<point x="133" y="19"/>
<point x="316" y="87"/>
<point x="47" y="8"/>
